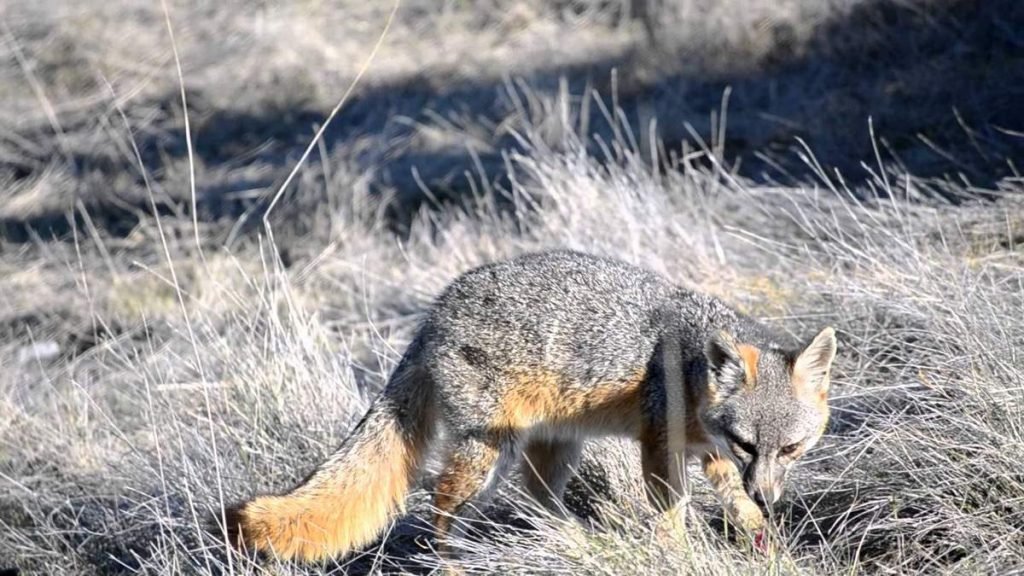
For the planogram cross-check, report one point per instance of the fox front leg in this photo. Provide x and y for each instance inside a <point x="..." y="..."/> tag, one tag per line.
<point x="725" y="477"/>
<point x="664" y="475"/>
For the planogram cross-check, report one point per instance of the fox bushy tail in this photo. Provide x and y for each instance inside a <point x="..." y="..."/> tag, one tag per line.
<point x="345" y="503"/>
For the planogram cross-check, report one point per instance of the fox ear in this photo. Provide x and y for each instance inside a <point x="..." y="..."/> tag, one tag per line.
<point x="812" y="367"/>
<point x="725" y="365"/>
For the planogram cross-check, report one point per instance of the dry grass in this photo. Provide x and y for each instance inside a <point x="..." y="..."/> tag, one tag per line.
<point x="144" y="382"/>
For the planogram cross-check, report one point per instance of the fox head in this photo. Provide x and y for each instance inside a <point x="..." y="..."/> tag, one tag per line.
<point x="765" y="408"/>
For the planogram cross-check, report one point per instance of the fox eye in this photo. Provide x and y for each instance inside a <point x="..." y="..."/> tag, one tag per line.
<point x="789" y="450"/>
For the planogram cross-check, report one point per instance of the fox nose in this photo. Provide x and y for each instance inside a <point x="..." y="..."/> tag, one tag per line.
<point x="763" y="497"/>
<point x="759" y="498"/>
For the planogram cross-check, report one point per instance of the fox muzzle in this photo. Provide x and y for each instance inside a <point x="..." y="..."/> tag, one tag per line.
<point x="764" y="481"/>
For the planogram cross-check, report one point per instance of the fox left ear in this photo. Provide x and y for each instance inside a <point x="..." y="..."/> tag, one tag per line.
<point x="725" y="364"/>
<point x="812" y="367"/>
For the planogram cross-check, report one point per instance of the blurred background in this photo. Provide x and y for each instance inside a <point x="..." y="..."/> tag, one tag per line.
<point x="91" y="96"/>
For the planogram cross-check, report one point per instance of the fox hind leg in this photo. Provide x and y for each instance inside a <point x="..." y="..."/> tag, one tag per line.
<point x="472" y="469"/>
<point x="547" y="468"/>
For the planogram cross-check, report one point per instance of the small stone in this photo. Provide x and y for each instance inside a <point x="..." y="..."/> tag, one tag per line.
<point x="44" y="351"/>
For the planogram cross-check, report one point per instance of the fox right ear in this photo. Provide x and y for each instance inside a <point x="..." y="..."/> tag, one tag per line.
<point x="812" y="367"/>
<point x="725" y="365"/>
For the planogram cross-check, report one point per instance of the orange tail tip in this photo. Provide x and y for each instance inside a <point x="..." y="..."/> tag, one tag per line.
<point x="285" y="527"/>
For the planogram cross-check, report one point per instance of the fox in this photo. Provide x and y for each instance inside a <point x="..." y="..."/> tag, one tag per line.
<point x="518" y="362"/>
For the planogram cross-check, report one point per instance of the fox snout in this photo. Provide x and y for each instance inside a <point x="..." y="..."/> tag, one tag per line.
<point x="764" y="482"/>
<point x="764" y="496"/>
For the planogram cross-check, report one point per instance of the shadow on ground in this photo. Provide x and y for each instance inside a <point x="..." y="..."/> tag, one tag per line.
<point x="940" y="80"/>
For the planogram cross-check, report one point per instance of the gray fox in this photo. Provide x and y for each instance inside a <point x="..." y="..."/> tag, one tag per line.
<point x="520" y="361"/>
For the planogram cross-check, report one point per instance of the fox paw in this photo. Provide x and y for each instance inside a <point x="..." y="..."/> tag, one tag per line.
<point x="751" y="523"/>
<point x="670" y="525"/>
<point x="747" y="516"/>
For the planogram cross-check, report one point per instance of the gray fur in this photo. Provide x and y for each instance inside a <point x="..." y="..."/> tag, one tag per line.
<point x="596" y="319"/>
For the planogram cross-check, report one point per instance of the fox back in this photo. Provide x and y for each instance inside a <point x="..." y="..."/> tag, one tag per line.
<point x="587" y="318"/>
